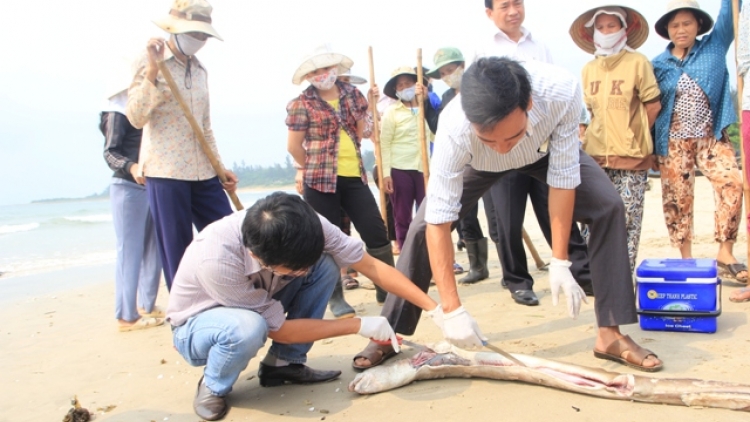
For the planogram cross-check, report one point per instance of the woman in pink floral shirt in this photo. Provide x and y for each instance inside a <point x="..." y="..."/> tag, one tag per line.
<point x="183" y="188"/>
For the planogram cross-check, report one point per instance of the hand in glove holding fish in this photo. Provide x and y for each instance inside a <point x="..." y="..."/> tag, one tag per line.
<point x="459" y="328"/>
<point x="561" y="278"/>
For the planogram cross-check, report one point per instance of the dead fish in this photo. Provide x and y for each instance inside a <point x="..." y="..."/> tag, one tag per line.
<point x="458" y="363"/>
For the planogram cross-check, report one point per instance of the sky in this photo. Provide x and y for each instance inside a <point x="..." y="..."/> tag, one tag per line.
<point x="60" y="60"/>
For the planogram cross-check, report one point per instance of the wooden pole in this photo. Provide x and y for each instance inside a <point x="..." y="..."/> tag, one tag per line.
<point x="537" y="259"/>
<point x="376" y="141"/>
<point x="740" y="86"/>
<point x="420" y="123"/>
<point x="218" y="167"/>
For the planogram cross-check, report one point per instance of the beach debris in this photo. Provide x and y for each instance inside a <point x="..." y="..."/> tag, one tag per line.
<point x="577" y="409"/>
<point x="106" y="409"/>
<point x="251" y="377"/>
<point x="324" y="411"/>
<point x="163" y="361"/>
<point x="458" y="363"/>
<point x="77" y="413"/>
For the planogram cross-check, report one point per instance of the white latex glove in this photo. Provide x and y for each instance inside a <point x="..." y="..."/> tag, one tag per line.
<point x="377" y="328"/>
<point x="561" y="278"/>
<point x="462" y="330"/>
<point x="437" y="317"/>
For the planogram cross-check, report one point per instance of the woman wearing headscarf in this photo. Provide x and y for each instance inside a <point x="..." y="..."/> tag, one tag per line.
<point x="183" y="188"/>
<point x="403" y="175"/>
<point x="326" y="123"/>
<point x="696" y="108"/>
<point x="622" y="95"/>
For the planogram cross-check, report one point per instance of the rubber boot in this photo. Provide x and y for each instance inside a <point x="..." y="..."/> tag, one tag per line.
<point x="477" y="251"/>
<point x="337" y="304"/>
<point x="384" y="254"/>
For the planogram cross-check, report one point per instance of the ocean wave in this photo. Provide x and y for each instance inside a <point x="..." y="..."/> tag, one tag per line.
<point x="99" y="218"/>
<point x="43" y="265"/>
<point x="17" y="228"/>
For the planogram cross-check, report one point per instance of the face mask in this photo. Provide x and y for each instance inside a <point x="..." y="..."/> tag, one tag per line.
<point x="325" y="81"/>
<point x="454" y="79"/>
<point x="187" y="44"/>
<point x="609" y="44"/>
<point x="407" y="94"/>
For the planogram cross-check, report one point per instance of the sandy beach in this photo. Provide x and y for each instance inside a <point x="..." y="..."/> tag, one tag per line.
<point x="61" y="342"/>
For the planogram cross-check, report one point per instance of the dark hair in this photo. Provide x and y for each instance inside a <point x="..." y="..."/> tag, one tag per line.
<point x="492" y="88"/>
<point x="282" y="229"/>
<point x="488" y="3"/>
<point x="672" y="14"/>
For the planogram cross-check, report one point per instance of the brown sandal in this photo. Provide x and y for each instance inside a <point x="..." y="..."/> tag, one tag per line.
<point x="636" y="356"/>
<point x="375" y="353"/>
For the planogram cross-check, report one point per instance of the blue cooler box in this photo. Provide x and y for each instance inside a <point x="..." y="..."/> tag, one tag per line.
<point x="678" y="295"/>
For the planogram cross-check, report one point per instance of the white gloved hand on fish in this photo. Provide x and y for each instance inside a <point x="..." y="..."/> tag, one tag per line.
<point x="378" y="329"/>
<point x="462" y="330"/>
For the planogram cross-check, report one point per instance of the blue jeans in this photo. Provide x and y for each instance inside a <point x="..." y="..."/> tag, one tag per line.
<point x="138" y="267"/>
<point x="225" y="339"/>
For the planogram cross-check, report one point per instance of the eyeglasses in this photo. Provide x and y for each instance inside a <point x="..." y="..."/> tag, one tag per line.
<point x="285" y="276"/>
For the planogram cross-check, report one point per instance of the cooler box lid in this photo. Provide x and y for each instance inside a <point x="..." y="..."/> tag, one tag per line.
<point x="677" y="269"/>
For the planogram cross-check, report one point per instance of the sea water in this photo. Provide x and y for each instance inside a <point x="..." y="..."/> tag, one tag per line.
<point x="47" y="237"/>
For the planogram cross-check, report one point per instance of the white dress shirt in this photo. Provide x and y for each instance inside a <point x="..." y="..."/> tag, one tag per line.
<point x="554" y="116"/>
<point x="527" y="48"/>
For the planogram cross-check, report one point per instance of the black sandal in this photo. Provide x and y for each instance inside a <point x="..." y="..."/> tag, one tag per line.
<point x="349" y="283"/>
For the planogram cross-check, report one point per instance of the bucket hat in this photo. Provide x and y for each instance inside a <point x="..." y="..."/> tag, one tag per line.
<point x="321" y="57"/>
<point x="582" y="30"/>
<point x="443" y="57"/>
<point x="188" y="16"/>
<point x="705" y="20"/>
<point x="390" y="86"/>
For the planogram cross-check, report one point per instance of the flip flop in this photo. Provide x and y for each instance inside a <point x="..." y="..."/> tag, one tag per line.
<point x="635" y="358"/>
<point x="733" y="270"/>
<point x="375" y="353"/>
<point x="741" y="295"/>
<point x="142" y="324"/>
<point x="349" y="283"/>
<point x="458" y="269"/>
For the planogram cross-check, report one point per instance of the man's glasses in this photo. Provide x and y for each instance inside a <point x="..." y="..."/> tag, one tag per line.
<point x="285" y="276"/>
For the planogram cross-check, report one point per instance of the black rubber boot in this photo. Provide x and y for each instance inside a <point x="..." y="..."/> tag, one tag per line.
<point x="384" y="254"/>
<point x="337" y="304"/>
<point x="477" y="251"/>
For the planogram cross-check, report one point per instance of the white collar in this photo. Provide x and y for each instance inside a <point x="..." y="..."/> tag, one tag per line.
<point x="525" y="35"/>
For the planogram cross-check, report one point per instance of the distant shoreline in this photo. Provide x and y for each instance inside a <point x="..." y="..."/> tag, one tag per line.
<point x="102" y="196"/>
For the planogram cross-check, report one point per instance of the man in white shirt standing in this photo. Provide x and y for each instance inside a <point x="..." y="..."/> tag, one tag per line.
<point x="508" y="195"/>
<point x="504" y="114"/>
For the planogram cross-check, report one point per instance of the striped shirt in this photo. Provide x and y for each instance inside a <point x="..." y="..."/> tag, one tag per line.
<point x="554" y="116"/>
<point x="217" y="270"/>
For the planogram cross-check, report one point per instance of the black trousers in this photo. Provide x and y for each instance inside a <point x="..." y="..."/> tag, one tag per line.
<point x="597" y="203"/>
<point x="356" y="199"/>
<point x="508" y="205"/>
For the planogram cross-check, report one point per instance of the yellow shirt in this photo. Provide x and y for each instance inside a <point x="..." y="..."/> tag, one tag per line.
<point x="399" y="139"/>
<point x="615" y="90"/>
<point x="348" y="162"/>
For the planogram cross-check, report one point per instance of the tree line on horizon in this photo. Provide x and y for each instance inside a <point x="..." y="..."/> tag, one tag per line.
<point x="278" y="174"/>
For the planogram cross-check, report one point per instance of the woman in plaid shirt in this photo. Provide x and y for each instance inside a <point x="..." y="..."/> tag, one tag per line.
<point x="326" y="124"/>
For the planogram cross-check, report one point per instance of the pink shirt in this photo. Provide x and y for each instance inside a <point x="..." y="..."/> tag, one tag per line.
<point x="169" y="148"/>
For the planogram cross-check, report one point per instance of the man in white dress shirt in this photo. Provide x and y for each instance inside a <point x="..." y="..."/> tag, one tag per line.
<point x="505" y="113"/>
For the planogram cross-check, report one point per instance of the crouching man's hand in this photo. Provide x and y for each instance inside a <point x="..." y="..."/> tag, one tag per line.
<point x="378" y="328"/>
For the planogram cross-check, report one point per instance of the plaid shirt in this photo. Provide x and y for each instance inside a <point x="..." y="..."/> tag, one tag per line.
<point x="322" y="125"/>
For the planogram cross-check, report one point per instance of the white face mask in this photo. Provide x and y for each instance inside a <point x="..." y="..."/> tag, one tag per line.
<point x="187" y="44"/>
<point x="609" y="44"/>
<point x="407" y="94"/>
<point x="325" y="81"/>
<point x="454" y="79"/>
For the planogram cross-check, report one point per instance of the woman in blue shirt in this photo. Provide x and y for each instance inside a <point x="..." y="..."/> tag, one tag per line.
<point x="696" y="108"/>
